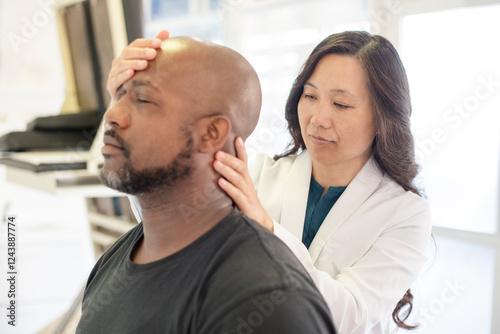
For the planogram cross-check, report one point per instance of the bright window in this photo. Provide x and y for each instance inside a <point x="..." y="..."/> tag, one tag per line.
<point x="452" y="59"/>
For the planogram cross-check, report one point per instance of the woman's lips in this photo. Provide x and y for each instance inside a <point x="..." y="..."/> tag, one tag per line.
<point x="319" y="140"/>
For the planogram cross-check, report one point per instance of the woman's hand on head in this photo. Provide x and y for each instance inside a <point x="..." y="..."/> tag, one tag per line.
<point x="133" y="58"/>
<point x="236" y="182"/>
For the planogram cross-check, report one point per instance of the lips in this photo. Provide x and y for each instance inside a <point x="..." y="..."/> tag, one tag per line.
<point x="108" y="140"/>
<point x="319" y="139"/>
<point x="112" y="147"/>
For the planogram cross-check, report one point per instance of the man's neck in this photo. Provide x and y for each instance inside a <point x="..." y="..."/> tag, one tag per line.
<point x="171" y="223"/>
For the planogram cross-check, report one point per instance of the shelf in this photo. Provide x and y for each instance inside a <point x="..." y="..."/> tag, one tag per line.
<point x="73" y="183"/>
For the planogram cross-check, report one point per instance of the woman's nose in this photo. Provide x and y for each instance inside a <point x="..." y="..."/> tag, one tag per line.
<point x="321" y="116"/>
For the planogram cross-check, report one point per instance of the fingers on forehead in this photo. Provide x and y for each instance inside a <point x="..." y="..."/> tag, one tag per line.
<point x="142" y="42"/>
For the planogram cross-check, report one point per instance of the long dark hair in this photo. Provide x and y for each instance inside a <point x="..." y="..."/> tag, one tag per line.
<point x="393" y="146"/>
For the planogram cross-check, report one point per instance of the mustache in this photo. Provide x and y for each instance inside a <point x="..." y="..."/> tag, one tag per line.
<point x="112" y="133"/>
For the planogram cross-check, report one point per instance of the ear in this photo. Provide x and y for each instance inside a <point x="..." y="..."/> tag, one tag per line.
<point x="214" y="132"/>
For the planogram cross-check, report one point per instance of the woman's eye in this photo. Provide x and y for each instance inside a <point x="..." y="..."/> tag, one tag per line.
<point x="309" y="96"/>
<point x="340" y="105"/>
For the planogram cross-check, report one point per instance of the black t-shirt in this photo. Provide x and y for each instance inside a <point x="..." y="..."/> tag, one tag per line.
<point x="237" y="278"/>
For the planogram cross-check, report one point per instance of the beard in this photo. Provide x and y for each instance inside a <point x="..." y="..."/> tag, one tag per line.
<point x="155" y="179"/>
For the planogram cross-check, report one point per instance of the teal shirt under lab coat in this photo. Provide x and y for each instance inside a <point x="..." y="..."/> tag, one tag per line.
<point x="317" y="209"/>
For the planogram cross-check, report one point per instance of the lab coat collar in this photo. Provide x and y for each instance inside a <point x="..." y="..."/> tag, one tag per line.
<point x="360" y="188"/>
<point x="293" y="210"/>
<point x="295" y="200"/>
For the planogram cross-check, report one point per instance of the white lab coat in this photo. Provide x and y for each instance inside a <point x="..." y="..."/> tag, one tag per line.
<point x="370" y="247"/>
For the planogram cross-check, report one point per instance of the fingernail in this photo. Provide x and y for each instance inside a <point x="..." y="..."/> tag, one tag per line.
<point x="142" y="63"/>
<point x="150" y="53"/>
<point x="218" y="164"/>
<point x="240" y="141"/>
<point x="221" y="155"/>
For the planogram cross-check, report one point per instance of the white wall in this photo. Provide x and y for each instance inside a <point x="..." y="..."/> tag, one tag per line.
<point x="31" y="71"/>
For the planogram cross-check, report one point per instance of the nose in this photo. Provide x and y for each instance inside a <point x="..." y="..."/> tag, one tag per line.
<point x="322" y="115"/>
<point x="117" y="116"/>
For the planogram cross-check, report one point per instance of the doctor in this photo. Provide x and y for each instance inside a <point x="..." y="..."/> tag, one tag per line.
<point x="342" y="197"/>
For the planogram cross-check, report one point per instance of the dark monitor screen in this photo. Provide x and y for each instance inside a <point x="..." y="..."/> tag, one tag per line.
<point x="90" y="38"/>
<point x="82" y="49"/>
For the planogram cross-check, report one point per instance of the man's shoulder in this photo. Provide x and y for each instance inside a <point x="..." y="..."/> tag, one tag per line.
<point x="274" y="311"/>
<point x="273" y="248"/>
<point x="119" y="247"/>
<point x="124" y="240"/>
<point x="268" y="248"/>
<point x="253" y="260"/>
<point x="256" y="275"/>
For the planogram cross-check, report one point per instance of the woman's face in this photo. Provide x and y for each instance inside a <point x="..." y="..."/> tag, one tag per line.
<point x="335" y="115"/>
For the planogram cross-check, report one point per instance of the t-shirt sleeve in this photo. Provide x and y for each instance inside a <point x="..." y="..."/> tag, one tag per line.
<point x="289" y="311"/>
<point x="108" y="253"/>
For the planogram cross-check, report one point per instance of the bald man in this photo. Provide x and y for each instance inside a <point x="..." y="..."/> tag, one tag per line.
<point x="195" y="264"/>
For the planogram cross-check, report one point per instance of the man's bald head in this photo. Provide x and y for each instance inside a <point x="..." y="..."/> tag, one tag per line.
<point x="169" y="120"/>
<point x="215" y="80"/>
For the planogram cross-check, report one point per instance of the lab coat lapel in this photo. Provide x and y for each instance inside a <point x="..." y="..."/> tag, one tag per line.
<point x="360" y="188"/>
<point x="296" y="193"/>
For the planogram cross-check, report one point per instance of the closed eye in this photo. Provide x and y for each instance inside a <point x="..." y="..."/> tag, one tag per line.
<point x="309" y="96"/>
<point x="340" y="105"/>
<point x="139" y="99"/>
<point x="141" y="103"/>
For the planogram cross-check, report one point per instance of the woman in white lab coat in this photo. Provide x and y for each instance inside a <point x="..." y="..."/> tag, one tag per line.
<point x="342" y="197"/>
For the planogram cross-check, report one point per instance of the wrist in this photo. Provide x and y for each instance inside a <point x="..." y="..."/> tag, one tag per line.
<point x="269" y="223"/>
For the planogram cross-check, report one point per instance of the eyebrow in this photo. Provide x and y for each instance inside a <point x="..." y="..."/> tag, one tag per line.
<point x="341" y="91"/>
<point x="144" y="83"/>
<point x="136" y="83"/>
